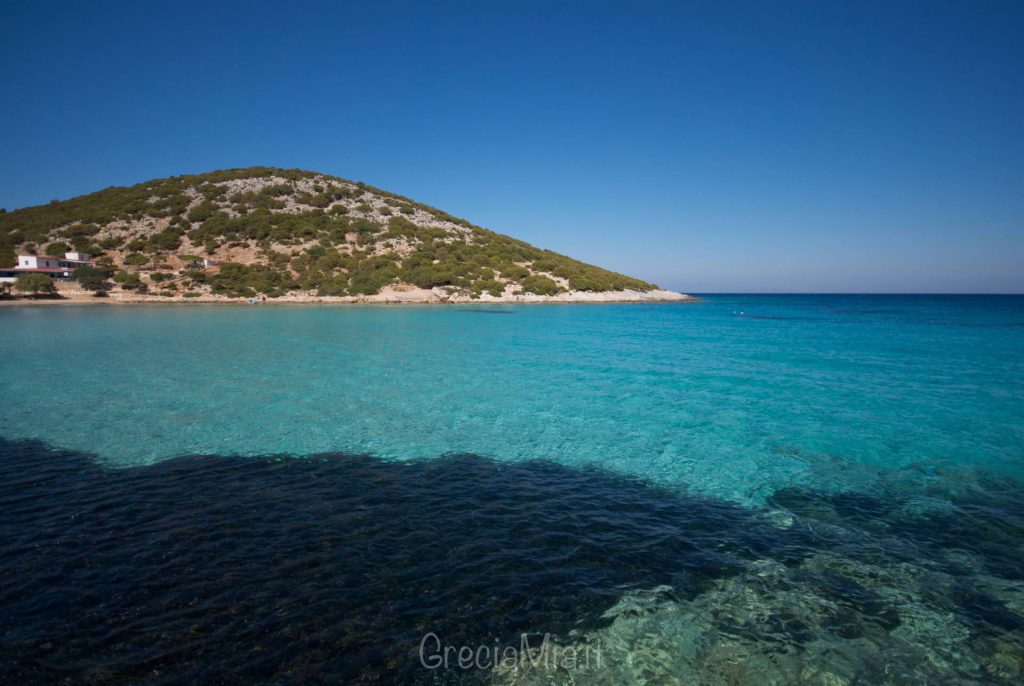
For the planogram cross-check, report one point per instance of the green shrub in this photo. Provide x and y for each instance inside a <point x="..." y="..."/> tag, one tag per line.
<point x="203" y="211"/>
<point x="364" y="226"/>
<point x="495" y="288"/>
<point x="331" y="286"/>
<point x="80" y="230"/>
<point x="35" y="283"/>
<point x="245" y="281"/>
<point x="540" y="285"/>
<point x="57" y="249"/>
<point x="92" y="279"/>
<point x="129" y="280"/>
<point x="400" y="227"/>
<point x="428" y="276"/>
<point x="136" y="259"/>
<point x="276" y="191"/>
<point x="513" y="272"/>
<point x="7" y="255"/>
<point x="322" y="200"/>
<point x="165" y="241"/>
<point x="371" y="275"/>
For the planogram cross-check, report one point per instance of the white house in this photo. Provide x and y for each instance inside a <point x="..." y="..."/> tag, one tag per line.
<point x="71" y="260"/>
<point x="54" y="267"/>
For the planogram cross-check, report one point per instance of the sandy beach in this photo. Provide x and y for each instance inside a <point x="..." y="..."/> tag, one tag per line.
<point x="389" y="295"/>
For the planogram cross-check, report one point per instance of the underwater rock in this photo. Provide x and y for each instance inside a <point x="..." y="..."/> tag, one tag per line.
<point x="829" y="621"/>
<point x="779" y="518"/>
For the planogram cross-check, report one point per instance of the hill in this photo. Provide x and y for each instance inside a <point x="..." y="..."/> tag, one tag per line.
<point x="286" y="233"/>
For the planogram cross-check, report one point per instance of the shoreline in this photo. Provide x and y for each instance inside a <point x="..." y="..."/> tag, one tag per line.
<point x="390" y="297"/>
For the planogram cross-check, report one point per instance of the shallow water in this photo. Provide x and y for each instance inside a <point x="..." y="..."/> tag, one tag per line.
<point x="751" y="489"/>
<point x="733" y="397"/>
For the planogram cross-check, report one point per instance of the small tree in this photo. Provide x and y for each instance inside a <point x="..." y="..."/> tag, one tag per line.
<point x="36" y="284"/>
<point x="129" y="281"/>
<point x="57" y="248"/>
<point x="92" y="279"/>
<point x="541" y="285"/>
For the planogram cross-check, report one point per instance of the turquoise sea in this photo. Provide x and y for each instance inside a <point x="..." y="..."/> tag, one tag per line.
<point x="746" y="489"/>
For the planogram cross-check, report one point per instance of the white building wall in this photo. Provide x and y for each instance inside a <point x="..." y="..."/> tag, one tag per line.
<point x="43" y="262"/>
<point x="36" y="262"/>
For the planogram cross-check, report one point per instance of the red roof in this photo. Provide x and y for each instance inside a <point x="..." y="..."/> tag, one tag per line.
<point x="38" y="269"/>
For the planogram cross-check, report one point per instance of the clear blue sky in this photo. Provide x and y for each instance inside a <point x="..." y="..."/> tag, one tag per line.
<point x="718" y="146"/>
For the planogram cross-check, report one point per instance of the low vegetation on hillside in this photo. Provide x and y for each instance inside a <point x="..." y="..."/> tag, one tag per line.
<point x="274" y="231"/>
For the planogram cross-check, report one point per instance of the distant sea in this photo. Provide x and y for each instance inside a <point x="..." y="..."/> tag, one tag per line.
<point x="748" y="489"/>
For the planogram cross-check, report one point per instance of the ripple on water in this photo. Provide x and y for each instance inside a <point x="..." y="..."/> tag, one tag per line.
<point x="334" y="566"/>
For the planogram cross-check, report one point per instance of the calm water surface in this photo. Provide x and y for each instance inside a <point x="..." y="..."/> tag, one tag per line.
<point x="750" y="489"/>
